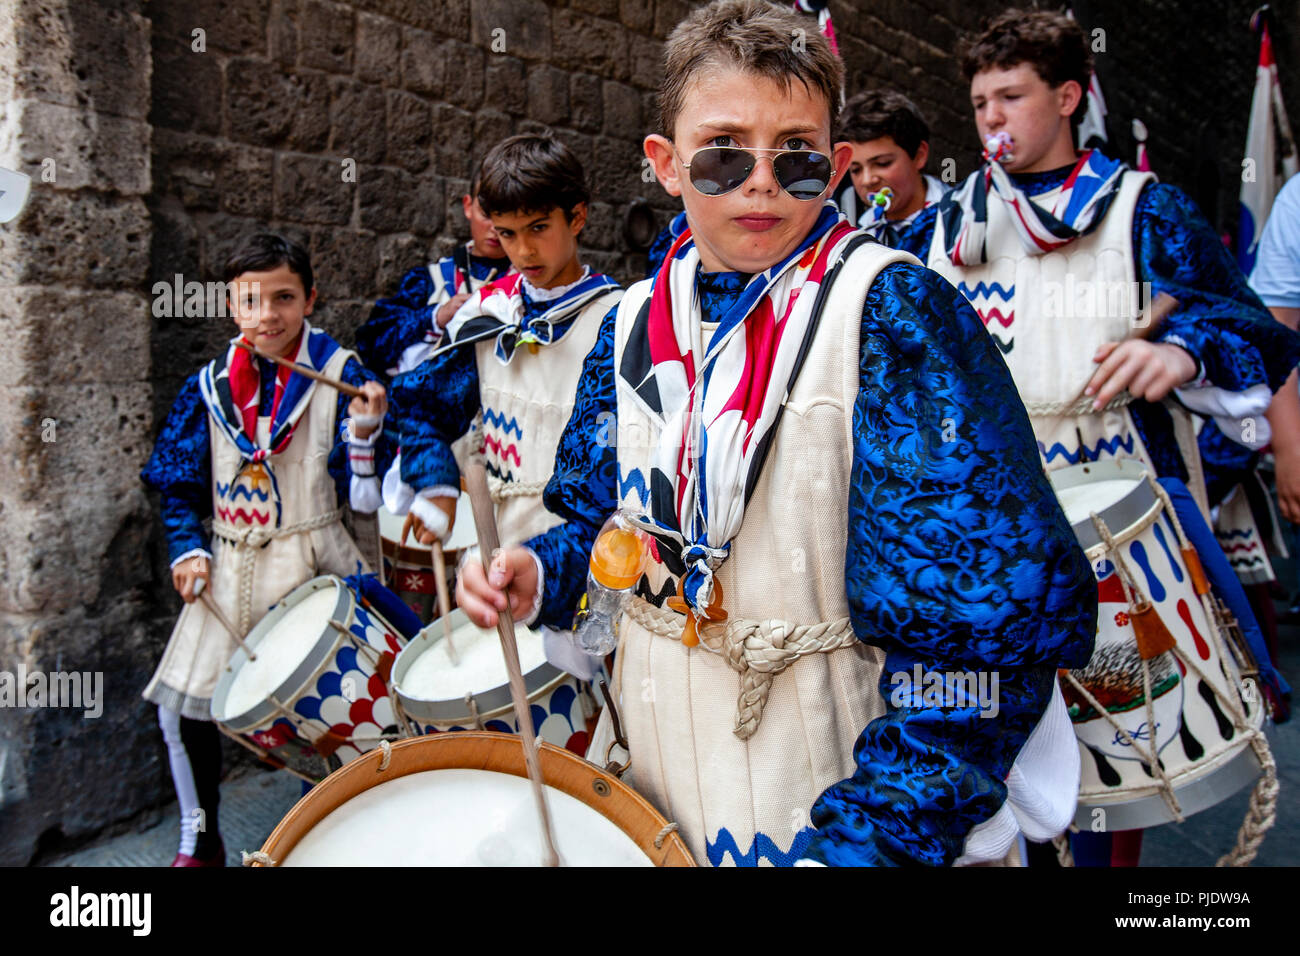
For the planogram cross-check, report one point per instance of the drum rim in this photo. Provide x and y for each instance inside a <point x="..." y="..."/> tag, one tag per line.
<point x="308" y="670"/>
<point x="491" y="751"/>
<point x="451" y="710"/>
<point x="1123" y="513"/>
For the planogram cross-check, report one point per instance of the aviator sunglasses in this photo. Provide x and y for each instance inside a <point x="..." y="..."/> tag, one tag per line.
<point x="718" y="170"/>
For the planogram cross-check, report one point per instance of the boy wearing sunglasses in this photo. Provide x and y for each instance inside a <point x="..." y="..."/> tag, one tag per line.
<point x="839" y="493"/>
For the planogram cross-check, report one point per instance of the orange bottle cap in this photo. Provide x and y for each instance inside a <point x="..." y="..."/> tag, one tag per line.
<point x="617" y="559"/>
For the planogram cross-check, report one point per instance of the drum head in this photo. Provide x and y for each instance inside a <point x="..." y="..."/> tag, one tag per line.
<point x="596" y="819"/>
<point x="290" y="643"/>
<point x="434" y="690"/>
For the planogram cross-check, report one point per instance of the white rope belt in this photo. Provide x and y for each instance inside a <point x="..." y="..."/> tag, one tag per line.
<point x="246" y="542"/>
<point x="756" y="650"/>
<point x="502" y="490"/>
<point x="1079" y="406"/>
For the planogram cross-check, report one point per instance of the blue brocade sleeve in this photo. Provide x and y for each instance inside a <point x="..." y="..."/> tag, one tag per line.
<point x="432" y="406"/>
<point x="959" y="560"/>
<point x="180" y="470"/>
<point x="584" y="485"/>
<point x="396" y="322"/>
<point x="1221" y="320"/>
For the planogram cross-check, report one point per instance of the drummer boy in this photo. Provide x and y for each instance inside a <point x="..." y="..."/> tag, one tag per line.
<point x="270" y="457"/>
<point x="510" y="357"/>
<point x="889" y="519"/>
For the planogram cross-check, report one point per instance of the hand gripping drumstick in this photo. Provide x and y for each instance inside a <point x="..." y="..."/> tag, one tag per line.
<point x="344" y="387"/>
<point x="211" y="605"/>
<point x="486" y="522"/>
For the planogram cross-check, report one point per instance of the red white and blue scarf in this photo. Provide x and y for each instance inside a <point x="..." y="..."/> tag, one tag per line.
<point x="719" y="393"/>
<point x="498" y="310"/>
<point x="1075" y="211"/>
<point x="231" y="389"/>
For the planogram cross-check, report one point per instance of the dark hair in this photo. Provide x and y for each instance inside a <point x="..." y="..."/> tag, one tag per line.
<point x="1052" y="43"/>
<point x="869" y="116"/>
<point x="531" y="173"/>
<point x="266" y="250"/>
<point x="752" y="36"/>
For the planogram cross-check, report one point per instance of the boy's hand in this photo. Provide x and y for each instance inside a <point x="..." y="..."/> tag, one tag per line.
<point x="1149" y="370"/>
<point x="373" y="406"/>
<point x="482" y="595"/>
<point x="421" y="532"/>
<point x="448" y="308"/>
<point x="185" y="574"/>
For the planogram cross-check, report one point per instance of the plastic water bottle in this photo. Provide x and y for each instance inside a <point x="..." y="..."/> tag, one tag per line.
<point x="617" y="560"/>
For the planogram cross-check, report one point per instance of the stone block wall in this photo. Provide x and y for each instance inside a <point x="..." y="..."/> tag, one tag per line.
<point x="175" y="127"/>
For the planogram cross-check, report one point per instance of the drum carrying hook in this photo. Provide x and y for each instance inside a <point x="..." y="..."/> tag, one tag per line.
<point x="611" y="765"/>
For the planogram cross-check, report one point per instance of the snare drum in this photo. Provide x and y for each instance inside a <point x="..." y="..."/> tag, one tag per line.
<point x="409" y="567"/>
<point x="319" y="681"/>
<point x="1201" y="717"/>
<point x="465" y="800"/>
<point x="437" y="696"/>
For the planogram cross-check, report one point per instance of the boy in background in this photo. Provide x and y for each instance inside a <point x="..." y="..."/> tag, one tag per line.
<point x="510" y="357"/>
<point x="404" y="329"/>
<point x="891" y="145"/>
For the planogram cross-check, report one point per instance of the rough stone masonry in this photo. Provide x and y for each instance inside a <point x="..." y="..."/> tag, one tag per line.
<point x="157" y="133"/>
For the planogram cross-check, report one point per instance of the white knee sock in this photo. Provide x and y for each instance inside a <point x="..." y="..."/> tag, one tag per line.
<point x="182" y="776"/>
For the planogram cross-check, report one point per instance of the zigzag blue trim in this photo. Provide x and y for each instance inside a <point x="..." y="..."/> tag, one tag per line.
<point x="224" y="490"/>
<point x="763" y="848"/>
<point x="992" y="288"/>
<point x="1233" y="534"/>
<point x="1006" y="347"/>
<point x="500" y="421"/>
<point x="634" y="480"/>
<point x="1109" y="445"/>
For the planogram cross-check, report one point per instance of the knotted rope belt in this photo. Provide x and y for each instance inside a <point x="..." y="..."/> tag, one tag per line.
<point x="248" y="539"/>
<point x="756" y="650"/>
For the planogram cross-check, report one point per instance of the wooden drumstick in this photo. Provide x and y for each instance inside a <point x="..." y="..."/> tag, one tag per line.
<point x="488" y="543"/>
<point x="311" y="373"/>
<point x="444" y="600"/>
<point x="211" y="605"/>
<point x="439" y="586"/>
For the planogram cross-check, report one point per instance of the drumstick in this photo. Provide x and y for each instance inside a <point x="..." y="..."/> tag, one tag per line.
<point x="486" y="523"/>
<point x="344" y="387"/>
<point x="444" y="600"/>
<point x="211" y="605"/>
<point x="440" y="588"/>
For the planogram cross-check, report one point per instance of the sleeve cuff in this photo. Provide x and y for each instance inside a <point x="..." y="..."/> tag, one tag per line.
<point x="364" y="494"/>
<point x="430" y="514"/>
<point x="192" y="553"/>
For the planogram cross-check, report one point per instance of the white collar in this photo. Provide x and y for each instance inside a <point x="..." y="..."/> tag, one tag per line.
<point x="546" y="295"/>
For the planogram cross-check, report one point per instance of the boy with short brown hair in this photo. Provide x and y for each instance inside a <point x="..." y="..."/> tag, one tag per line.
<point x="896" y="522"/>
